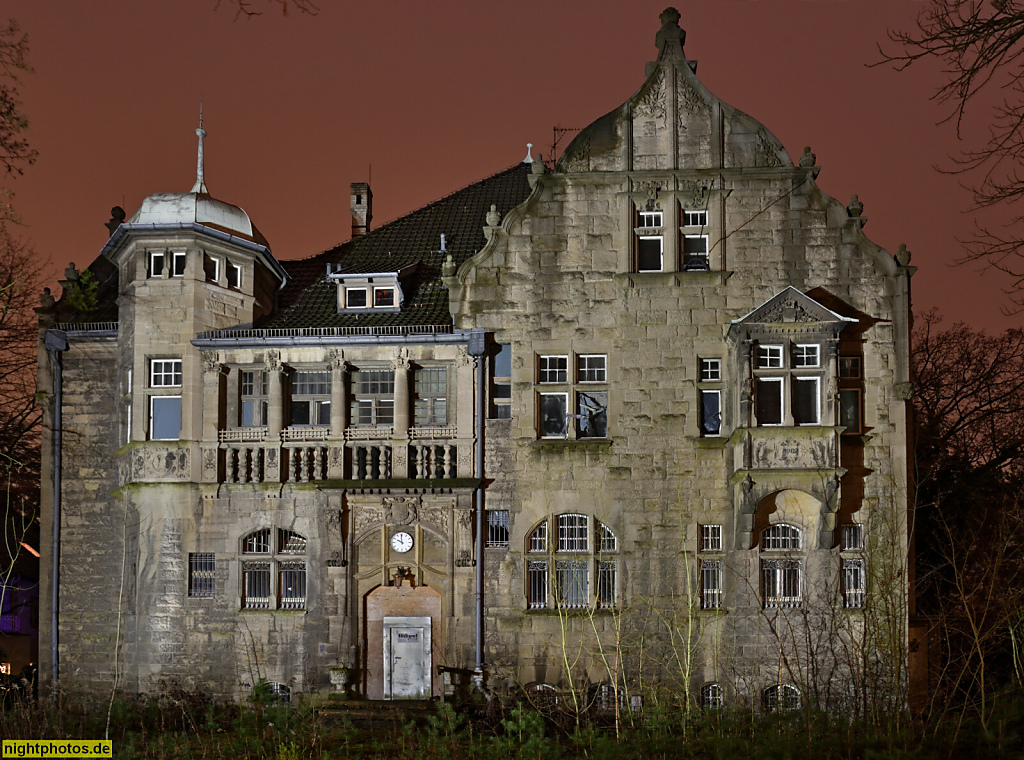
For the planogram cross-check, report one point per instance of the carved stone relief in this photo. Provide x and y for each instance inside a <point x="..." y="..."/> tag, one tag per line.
<point x="767" y="148"/>
<point x="211" y="362"/>
<point x="464" y="538"/>
<point x="365" y="516"/>
<point x="209" y="464"/>
<point x="438" y="517"/>
<point x="688" y="98"/>
<point x="791" y="453"/>
<point x="579" y="161"/>
<point x="401" y="510"/>
<point x="652" y="103"/>
<point x="695" y="192"/>
<point x="159" y="464"/>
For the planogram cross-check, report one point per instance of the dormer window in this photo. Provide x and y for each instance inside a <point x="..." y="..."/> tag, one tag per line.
<point x="378" y="291"/>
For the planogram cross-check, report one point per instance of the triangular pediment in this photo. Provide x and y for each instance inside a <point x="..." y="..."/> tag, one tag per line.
<point x="792" y="307"/>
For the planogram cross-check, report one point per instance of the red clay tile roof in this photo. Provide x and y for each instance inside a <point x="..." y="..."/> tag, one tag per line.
<point x="309" y="300"/>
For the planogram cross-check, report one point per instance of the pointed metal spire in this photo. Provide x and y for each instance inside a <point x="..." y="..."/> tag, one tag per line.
<point x="200" y="185"/>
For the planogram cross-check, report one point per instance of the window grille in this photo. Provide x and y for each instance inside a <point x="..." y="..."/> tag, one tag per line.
<point x="201" y="575"/>
<point x="537" y="584"/>
<point x="539" y="538"/>
<point x="258" y="542"/>
<point x="711" y="697"/>
<point x="572" y="533"/>
<point x="854" y="583"/>
<point x="606" y="539"/>
<point x="711" y="584"/>
<point x="256" y="585"/>
<point x="781" y="698"/>
<point x="711" y="538"/>
<point x="606" y="571"/>
<point x="781" y="583"/>
<point x="780" y="537"/>
<point x="572" y="583"/>
<point x="290" y="542"/>
<point x="292" y="585"/>
<point x="497" y="529"/>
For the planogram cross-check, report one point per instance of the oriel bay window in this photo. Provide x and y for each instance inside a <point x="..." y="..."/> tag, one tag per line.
<point x="559" y="572"/>
<point x="165" y="399"/>
<point x="311" y="398"/>
<point x="788" y="384"/>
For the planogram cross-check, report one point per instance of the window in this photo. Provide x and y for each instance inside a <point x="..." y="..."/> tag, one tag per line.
<point x="201" y="574"/>
<point x="497" y="529"/>
<point x="234" y="276"/>
<point x="852" y="538"/>
<point x="571" y="589"/>
<point x="711" y="538"/>
<point x="806" y="401"/>
<point x="254" y="398"/>
<point x="311" y="398"/>
<point x="165" y="373"/>
<point x="806" y="355"/>
<point x="781" y="698"/>
<point x="374" y="402"/>
<point x="854" y="583"/>
<point x="572" y="533"/>
<point x="650" y="241"/>
<point x="695" y="253"/>
<point x="849" y="367"/>
<point x="769" y="400"/>
<point x="849" y="410"/>
<point x="501" y="382"/>
<point x="430" y="405"/>
<point x="710" y="370"/>
<point x="590" y="557"/>
<point x="553" y="415"/>
<point x="355" y="298"/>
<point x="780" y="537"/>
<point x="697" y="218"/>
<point x="275" y="582"/>
<point x="711" y="697"/>
<point x="592" y="414"/>
<point x="711" y="584"/>
<point x="384" y="298"/>
<point x="769" y="357"/>
<point x="592" y="368"/>
<point x="156" y="264"/>
<point x="211" y="268"/>
<point x="178" y="261"/>
<point x="553" y="369"/>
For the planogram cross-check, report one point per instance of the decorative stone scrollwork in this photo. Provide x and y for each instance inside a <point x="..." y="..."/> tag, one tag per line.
<point x="273" y="361"/>
<point x="696" y="192"/>
<point x="401" y="510"/>
<point x="465" y="359"/>
<point x="767" y="149"/>
<point x="579" y="161"/>
<point x="209" y="464"/>
<point x="437" y="517"/>
<point x="211" y="362"/>
<point x="787" y="310"/>
<point x="365" y="516"/>
<point x="401" y="359"/>
<point x="689" y="98"/>
<point x="903" y="391"/>
<point x="652" y="102"/>
<point x="336" y="359"/>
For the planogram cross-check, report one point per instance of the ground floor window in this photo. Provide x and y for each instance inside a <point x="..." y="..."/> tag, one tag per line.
<point x="201" y="574"/>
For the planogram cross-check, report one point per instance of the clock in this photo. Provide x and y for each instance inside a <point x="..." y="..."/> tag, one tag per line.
<point x="401" y="542"/>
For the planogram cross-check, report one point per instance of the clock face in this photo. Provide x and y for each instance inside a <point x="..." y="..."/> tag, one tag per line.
<point x="401" y="542"/>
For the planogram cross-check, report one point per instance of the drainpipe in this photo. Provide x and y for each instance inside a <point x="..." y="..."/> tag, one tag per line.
<point x="478" y="347"/>
<point x="56" y="343"/>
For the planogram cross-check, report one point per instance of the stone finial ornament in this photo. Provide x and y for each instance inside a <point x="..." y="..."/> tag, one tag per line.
<point x="117" y="217"/>
<point x="538" y="166"/>
<point x="808" y="159"/>
<point x="493" y="217"/>
<point x="71" y="273"/>
<point x="448" y="267"/>
<point x="902" y="255"/>
<point x="46" y="299"/>
<point x="856" y="207"/>
<point x="670" y="38"/>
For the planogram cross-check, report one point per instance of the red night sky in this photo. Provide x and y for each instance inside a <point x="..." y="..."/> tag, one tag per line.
<point x="435" y="95"/>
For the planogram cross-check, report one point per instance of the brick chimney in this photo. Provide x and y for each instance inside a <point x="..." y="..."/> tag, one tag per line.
<point x="362" y="208"/>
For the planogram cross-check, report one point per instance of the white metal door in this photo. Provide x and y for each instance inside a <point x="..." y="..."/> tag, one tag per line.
<point x="407" y="658"/>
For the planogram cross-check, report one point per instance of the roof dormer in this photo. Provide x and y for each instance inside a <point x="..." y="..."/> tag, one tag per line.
<point x="370" y="292"/>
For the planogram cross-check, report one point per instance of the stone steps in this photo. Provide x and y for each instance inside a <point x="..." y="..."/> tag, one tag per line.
<point x="372" y="714"/>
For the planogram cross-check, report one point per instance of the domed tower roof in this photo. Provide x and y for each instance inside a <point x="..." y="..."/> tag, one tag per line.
<point x="200" y="208"/>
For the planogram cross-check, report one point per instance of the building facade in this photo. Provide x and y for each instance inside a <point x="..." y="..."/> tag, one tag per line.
<point x="635" y="420"/>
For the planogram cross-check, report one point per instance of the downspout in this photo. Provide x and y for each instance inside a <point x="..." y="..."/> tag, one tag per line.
<point x="56" y="343"/>
<point x="478" y="347"/>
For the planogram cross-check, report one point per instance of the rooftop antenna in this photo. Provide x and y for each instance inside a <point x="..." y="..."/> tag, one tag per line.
<point x="557" y="133"/>
<point x="200" y="185"/>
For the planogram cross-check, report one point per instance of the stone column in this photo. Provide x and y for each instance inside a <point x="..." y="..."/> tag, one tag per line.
<point x="400" y="439"/>
<point x="831" y="389"/>
<point x="339" y="413"/>
<point x="275" y="416"/>
<point x="213" y="372"/>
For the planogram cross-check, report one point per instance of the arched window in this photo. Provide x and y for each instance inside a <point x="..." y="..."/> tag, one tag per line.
<point x="711" y="697"/>
<point x="270" y="582"/>
<point x="580" y="552"/>
<point x="781" y="577"/>
<point x="781" y="698"/>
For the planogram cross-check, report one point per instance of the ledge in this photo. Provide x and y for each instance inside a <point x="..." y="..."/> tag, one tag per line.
<point x="588" y="612"/>
<point x="709" y="441"/>
<point x="586" y="444"/>
<point x="673" y="279"/>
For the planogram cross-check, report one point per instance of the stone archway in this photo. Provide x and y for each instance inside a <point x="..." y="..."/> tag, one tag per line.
<point x="398" y="620"/>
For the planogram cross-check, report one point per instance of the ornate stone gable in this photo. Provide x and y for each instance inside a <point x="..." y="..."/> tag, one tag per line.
<point x="791" y="307"/>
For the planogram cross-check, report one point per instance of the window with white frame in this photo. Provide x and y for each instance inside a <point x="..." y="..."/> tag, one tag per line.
<point x="430" y="401"/>
<point x="650" y="241"/>
<point x="384" y="298"/>
<point x="585" y="402"/>
<point x="788" y="384"/>
<point x="806" y="355"/>
<point x="356" y="298"/>
<point x="851" y="395"/>
<point x="164" y="408"/>
<point x="711" y="538"/>
<point x="769" y="400"/>
<point x="497" y="529"/>
<point x="592" y="368"/>
<point x="178" y="261"/>
<point x="769" y="357"/>
<point x="201" y="575"/>
<point x="854" y="583"/>
<point x="553" y="369"/>
<point x="311" y="398"/>
<point x="271" y="576"/>
<point x="695" y="242"/>
<point x="709" y="392"/>
<point x="806" y="400"/>
<point x="156" y="264"/>
<point x="234" y="276"/>
<point x="553" y="411"/>
<point x="780" y="537"/>
<point x="373" y="401"/>
<point x="254" y="398"/>
<point x="561" y="572"/>
<point x="211" y="268"/>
